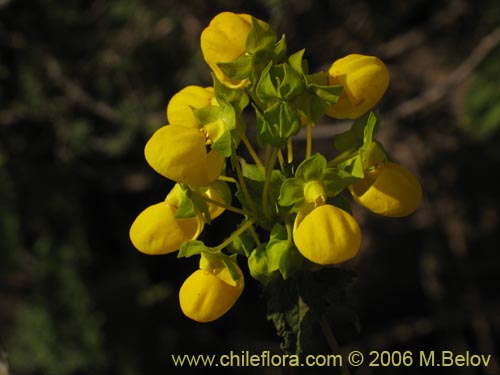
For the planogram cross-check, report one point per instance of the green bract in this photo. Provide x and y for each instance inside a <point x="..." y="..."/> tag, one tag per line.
<point x="294" y="208"/>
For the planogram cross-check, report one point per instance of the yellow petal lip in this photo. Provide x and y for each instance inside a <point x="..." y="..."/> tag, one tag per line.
<point x="389" y="190"/>
<point x="179" y="153"/>
<point x="180" y="107"/>
<point x="157" y="231"/>
<point x="327" y="235"/>
<point x="365" y="79"/>
<point x="224" y="40"/>
<point x="204" y="297"/>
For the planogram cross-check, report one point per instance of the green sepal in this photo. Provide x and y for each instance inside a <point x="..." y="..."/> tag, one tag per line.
<point x="279" y="82"/>
<point x="243" y="244"/>
<point x="223" y="145"/>
<point x="195" y="247"/>
<point x="336" y="180"/>
<point x="312" y="168"/>
<point x="292" y="83"/>
<point x="291" y="192"/>
<point x="224" y="191"/>
<point x="280" y="49"/>
<point x="191" y="205"/>
<point x="258" y="265"/>
<point x="278" y="255"/>
<point x="238" y="98"/>
<point x="254" y="179"/>
<point x="265" y="89"/>
<point x="310" y="106"/>
<point x="276" y="124"/>
<point x="260" y="37"/>
<point x="230" y="262"/>
<point x="329" y="94"/>
<point x="282" y="254"/>
<point x="356" y="136"/>
<point x="296" y="61"/>
<point x="238" y="69"/>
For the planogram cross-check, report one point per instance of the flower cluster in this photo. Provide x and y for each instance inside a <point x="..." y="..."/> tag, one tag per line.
<point x="295" y="212"/>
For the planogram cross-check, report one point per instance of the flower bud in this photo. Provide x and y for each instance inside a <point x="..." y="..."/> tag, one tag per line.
<point x="180" y="107"/>
<point x="388" y="190"/>
<point x="326" y="235"/>
<point x="207" y="294"/>
<point x="157" y="231"/>
<point x="224" y="40"/>
<point x="179" y="153"/>
<point x="364" y="79"/>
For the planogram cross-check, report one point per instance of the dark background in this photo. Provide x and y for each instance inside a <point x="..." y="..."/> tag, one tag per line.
<point x="83" y="84"/>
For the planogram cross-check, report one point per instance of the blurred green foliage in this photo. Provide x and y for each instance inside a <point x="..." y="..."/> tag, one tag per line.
<point x="480" y="118"/>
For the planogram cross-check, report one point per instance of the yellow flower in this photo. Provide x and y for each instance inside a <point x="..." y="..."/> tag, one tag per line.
<point x="157" y="231"/>
<point x="364" y="79"/>
<point x="326" y="234"/>
<point x="224" y="40"/>
<point x="179" y="153"/>
<point x="180" y="107"/>
<point x="388" y="190"/>
<point x="209" y="293"/>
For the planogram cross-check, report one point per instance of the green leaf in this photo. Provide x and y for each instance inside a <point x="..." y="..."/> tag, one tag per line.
<point x="297" y="305"/>
<point x="291" y="192"/>
<point x="261" y="37"/>
<point x="238" y="69"/>
<point x="311" y="169"/>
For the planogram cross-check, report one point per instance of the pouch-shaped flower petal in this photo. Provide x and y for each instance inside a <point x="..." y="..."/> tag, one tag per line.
<point x="224" y="40"/>
<point x="179" y="153"/>
<point x="364" y="79"/>
<point x="388" y="190"/>
<point x="205" y="296"/>
<point x="180" y="107"/>
<point x="157" y="231"/>
<point x="327" y="235"/>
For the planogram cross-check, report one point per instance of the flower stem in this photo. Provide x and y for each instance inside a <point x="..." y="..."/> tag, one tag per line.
<point x="332" y="342"/>
<point x="248" y="224"/>
<point x="250" y="149"/>
<point x="289" y="148"/>
<point x="226" y="178"/>
<point x="308" y="141"/>
<point x="220" y="204"/>
<point x="241" y="181"/>
<point x="271" y="156"/>
<point x="346" y="155"/>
